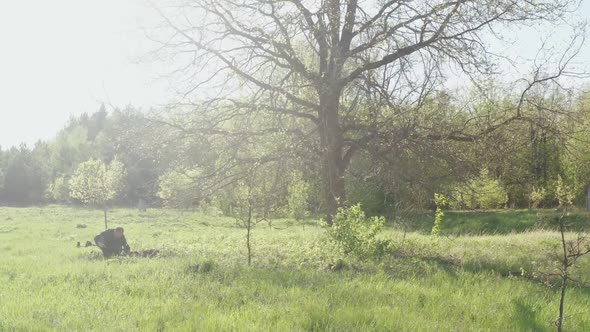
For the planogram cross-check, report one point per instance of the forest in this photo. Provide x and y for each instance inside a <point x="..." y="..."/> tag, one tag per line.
<point x="328" y="106"/>
<point x="166" y="164"/>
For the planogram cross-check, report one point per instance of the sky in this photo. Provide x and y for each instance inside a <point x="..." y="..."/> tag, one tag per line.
<point x="64" y="57"/>
<point x="61" y="58"/>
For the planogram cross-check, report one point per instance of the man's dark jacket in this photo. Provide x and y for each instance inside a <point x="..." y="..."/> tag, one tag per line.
<point x="109" y="244"/>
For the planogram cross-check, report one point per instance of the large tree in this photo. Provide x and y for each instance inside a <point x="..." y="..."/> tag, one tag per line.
<point x="24" y="177"/>
<point x="345" y="71"/>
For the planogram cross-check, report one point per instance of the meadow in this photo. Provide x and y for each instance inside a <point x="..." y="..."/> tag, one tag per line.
<point x="479" y="276"/>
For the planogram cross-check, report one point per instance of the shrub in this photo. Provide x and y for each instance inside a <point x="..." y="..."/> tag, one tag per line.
<point x="483" y="192"/>
<point x="356" y="235"/>
<point x="441" y="201"/>
<point x="537" y="197"/>
<point x="564" y="193"/>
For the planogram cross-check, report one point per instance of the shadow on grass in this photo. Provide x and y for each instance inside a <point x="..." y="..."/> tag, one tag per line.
<point x="423" y="264"/>
<point x="526" y="318"/>
<point x="96" y="255"/>
<point x="92" y="256"/>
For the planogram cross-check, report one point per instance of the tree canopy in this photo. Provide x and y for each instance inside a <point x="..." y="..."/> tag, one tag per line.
<point x="97" y="184"/>
<point x="345" y="76"/>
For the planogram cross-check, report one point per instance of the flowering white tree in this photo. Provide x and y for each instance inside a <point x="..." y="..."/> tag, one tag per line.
<point x="96" y="183"/>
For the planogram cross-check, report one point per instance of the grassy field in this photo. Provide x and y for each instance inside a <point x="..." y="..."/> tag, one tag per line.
<point x="201" y="282"/>
<point x="497" y="222"/>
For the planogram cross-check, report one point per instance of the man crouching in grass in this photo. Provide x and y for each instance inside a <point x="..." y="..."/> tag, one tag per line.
<point x="112" y="242"/>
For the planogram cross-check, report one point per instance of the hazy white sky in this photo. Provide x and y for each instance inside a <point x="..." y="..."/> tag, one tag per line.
<point x="63" y="57"/>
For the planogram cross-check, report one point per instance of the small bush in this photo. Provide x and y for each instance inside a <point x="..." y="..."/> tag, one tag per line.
<point x="564" y="193"/>
<point x="483" y="192"/>
<point x="537" y="197"/>
<point x="441" y="201"/>
<point x="356" y="235"/>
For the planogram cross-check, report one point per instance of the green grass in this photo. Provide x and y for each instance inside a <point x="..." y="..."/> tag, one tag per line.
<point x="497" y="221"/>
<point x="202" y="282"/>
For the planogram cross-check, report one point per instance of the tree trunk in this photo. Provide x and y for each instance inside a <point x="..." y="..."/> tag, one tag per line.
<point x="105" y="218"/>
<point x="334" y="190"/>
<point x="564" y="271"/>
<point x="561" y="304"/>
<point x="332" y="144"/>
<point x="248" y="227"/>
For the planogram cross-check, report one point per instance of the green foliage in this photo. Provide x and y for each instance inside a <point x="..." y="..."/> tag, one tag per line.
<point x="70" y="148"/>
<point x="178" y="189"/>
<point x="564" y="193"/>
<point x="95" y="183"/>
<point x="252" y="200"/>
<point x="575" y="164"/>
<point x="59" y="190"/>
<point x="365" y="186"/>
<point x="543" y="196"/>
<point x="24" y="176"/>
<point x="537" y="197"/>
<point x="526" y="161"/>
<point x="572" y="250"/>
<point x="224" y="200"/>
<point x="356" y="235"/>
<point x="483" y="192"/>
<point x="253" y="197"/>
<point x="145" y="153"/>
<point x="441" y="201"/>
<point x="298" y="196"/>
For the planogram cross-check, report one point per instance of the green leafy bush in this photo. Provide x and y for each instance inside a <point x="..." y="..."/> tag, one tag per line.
<point x="564" y="193"/>
<point x="483" y="192"/>
<point x="538" y="197"/>
<point x="441" y="201"/>
<point x="356" y="235"/>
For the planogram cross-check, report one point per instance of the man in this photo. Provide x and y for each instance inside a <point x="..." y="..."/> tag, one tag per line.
<point x="112" y="242"/>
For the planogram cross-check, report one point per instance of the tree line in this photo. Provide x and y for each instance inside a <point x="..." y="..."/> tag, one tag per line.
<point x="239" y="167"/>
<point x="301" y="107"/>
